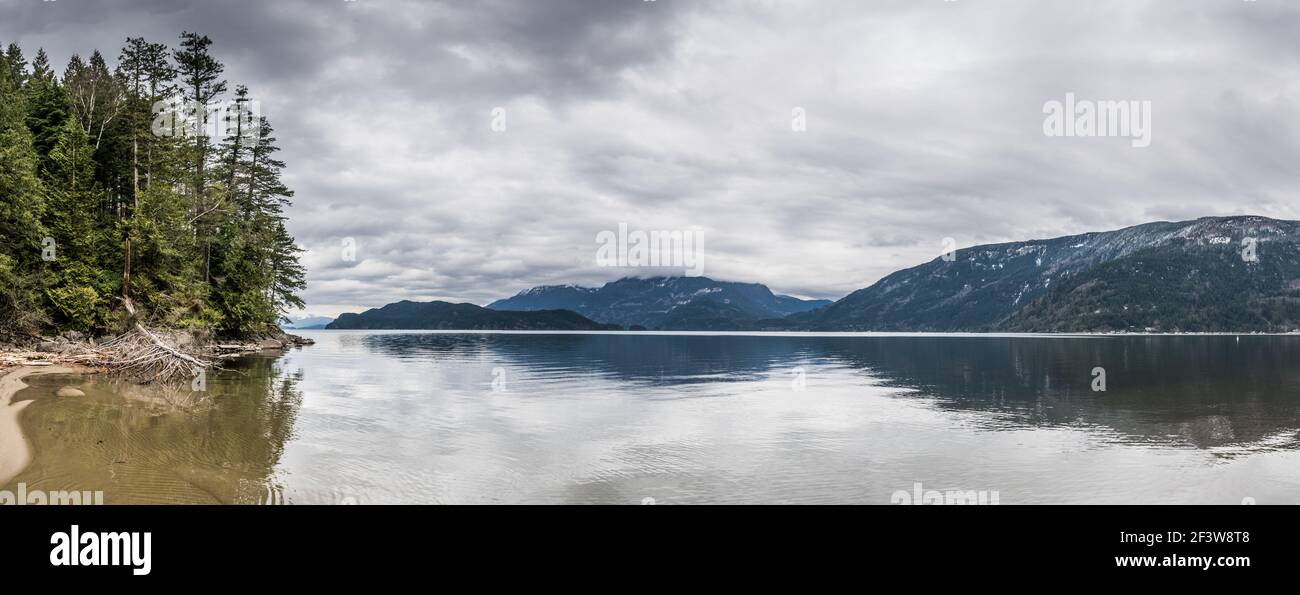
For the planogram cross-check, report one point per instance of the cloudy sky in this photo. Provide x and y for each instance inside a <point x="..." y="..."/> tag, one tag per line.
<point x="924" y="120"/>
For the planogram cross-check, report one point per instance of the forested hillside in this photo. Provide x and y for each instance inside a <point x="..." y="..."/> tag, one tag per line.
<point x="114" y="187"/>
<point x="447" y="316"/>
<point x="665" y="303"/>
<point x="1223" y="274"/>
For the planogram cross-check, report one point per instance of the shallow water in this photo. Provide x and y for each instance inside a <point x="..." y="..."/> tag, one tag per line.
<point x="396" y="417"/>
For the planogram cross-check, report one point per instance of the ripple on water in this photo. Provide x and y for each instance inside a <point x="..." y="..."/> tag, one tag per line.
<point x="446" y="418"/>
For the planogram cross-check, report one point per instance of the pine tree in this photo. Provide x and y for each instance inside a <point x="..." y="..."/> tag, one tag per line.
<point x="269" y="198"/>
<point x="201" y="80"/>
<point x="17" y="65"/>
<point x="141" y="63"/>
<point x="193" y="235"/>
<point x="147" y="73"/>
<point x="288" y="277"/>
<point x="47" y="107"/>
<point x="161" y="74"/>
<point x="21" y="206"/>
<point x="41" y="65"/>
<point x="79" y="280"/>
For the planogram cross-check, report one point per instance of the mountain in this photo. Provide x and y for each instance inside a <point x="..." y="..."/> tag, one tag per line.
<point x="1214" y="274"/>
<point x="447" y="316"/>
<point x="1164" y="276"/>
<point x="307" y="323"/>
<point x="667" y="303"/>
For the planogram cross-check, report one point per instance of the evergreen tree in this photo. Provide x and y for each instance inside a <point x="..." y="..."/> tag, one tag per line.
<point x="161" y="74"/>
<point x="21" y="206"/>
<point x="257" y="273"/>
<point x="17" y="64"/>
<point x="94" y="204"/>
<point x="288" y="277"/>
<point x="269" y="199"/>
<point x="41" y="65"/>
<point x="78" y="279"/>
<point x="201" y="81"/>
<point x="47" y="108"/>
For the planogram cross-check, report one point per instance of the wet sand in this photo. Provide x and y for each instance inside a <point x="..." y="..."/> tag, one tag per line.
<point x="14" y="451"/>
<point x="152" y="444"/>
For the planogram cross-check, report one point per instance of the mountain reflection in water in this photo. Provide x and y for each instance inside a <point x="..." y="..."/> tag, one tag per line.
<point x="477" y="418"/>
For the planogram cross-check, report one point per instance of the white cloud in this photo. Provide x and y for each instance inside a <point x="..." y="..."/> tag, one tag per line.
<point x="924" y="122"/>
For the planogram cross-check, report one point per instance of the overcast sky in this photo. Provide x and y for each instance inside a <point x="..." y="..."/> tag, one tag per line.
<point x="924" y="120"/>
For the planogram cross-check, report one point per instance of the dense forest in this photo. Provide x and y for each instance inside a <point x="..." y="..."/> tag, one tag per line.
<point x="147" y="183"/>
<point x="1177" y="287"/>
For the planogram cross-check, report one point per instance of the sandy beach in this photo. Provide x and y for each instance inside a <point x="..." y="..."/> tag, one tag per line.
<point x="14" y="452"/>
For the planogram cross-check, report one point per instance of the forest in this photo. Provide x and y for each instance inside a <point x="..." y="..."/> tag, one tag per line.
<point x="145" y="186"/>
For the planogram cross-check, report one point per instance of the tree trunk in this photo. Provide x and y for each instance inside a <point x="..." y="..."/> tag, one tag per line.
<point x="135" y="205"/>
<point x="126" y="270"/>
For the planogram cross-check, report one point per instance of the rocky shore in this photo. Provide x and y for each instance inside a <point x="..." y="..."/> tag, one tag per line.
<point x="73" y="348"/>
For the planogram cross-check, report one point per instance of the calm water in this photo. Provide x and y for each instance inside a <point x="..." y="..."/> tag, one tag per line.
<point x="536" y="418"/>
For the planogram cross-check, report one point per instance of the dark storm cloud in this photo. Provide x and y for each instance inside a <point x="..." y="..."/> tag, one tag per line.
<point x="924" y="122"/>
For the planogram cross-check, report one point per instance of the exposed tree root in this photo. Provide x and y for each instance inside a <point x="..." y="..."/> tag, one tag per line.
<point x="141" y="354"/>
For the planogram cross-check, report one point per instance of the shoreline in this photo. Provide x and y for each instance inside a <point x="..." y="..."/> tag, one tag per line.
<point x="769" y="333"/>
<point x="15" y="453"/>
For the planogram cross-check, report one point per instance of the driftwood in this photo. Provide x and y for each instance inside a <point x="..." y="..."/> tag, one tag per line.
<point x="141" y="353"/>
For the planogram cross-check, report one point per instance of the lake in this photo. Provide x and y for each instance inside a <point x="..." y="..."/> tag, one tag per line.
<point x="630" y="418"/>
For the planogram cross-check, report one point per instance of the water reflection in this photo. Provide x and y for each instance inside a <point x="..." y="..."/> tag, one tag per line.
<point x="1204" y="391"/>
<point x="137" y="446"/>
<point x="1199" y="390"/>
<point x="658" y="359"/>
<point x="599" y="418"/>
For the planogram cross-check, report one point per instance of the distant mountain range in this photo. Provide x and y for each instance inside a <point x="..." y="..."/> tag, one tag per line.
<point x="1190" y="276"/>
<point x="666" y="303"/>
<point x="307" y="323"/>
<point x="448" y="316"/>
<point x="1225" y="274"/>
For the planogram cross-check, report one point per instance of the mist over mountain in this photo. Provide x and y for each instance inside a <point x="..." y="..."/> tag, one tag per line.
<point x="1214" y="274"/>
<point x="667" y="303"/>
<point x="307" y="323"/>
